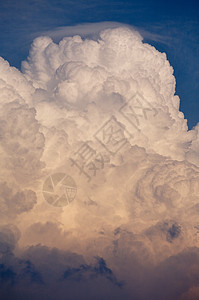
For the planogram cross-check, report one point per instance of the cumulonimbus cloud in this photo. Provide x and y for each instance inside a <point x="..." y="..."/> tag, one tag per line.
<point x="99" y="172"/>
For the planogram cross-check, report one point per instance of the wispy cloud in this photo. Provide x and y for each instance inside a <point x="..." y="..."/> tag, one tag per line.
<point x="92" y="30"/>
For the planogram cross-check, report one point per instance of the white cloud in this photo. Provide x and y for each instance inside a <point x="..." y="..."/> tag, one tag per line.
<point x="92" y="31"/>
<point x="85" y="30"/>
<point x="141" y="205"/>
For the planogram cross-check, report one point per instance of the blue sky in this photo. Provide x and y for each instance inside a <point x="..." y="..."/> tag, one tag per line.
<point x="174" y="26"/>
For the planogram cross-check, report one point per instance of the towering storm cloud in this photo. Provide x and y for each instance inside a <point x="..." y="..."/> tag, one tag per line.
<point x="99" y="191"/>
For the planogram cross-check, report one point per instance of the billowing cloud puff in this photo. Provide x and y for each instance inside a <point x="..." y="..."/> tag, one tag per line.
<point x="14" y="202"/>
<point x="85" y="75"/>
<point x="99" y="173"/>
<point x="22" y="143"/>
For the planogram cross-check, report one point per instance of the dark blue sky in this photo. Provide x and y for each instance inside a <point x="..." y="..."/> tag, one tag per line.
<point x="176" y="21"/>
